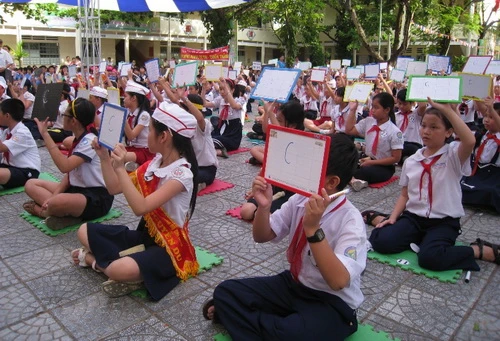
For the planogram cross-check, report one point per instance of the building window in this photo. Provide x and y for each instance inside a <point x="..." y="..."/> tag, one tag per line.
<point x="41" y="54"/>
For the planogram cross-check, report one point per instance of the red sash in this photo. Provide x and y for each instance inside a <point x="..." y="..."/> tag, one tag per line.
<point x="165" y="231"/>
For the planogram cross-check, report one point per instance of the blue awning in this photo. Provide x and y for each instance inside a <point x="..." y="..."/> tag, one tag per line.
<point x="169" y="6"/>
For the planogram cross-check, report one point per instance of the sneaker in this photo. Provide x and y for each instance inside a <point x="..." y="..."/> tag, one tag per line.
<point x="117" y="289"/>
<point x="59" y="223"/>
<point x="358" y="185"/>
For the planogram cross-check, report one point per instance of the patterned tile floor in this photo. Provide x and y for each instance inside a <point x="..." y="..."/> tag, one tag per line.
<point x="44" y="297"/>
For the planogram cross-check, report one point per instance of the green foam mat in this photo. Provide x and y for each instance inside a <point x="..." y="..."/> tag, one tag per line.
<point x="39" y="223"/>
<point x="365" y="333"/>
<point x="408" y="260"/>
<point x="206" y="260"/>
<point x="42" y="176"/>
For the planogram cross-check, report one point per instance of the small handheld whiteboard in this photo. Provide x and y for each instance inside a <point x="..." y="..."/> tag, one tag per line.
<point x="477" y="64"/>
<point x="153" y="69"/>
<point x="275" y="84"/>
<point x="47" y="100"/>
<point x="475" y="87"/>
<point x="113" y="118"/>
<point x="185" y="74"/>
<point x="296" y="160"/>
<point x="439" y="89"/>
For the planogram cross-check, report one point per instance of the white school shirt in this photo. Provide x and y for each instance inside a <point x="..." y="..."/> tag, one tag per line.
<point x="446" y="190"/>
<point x="99" y="111"/>
<point x="141" y="141"/>
<point x="5" y="58"/>
<point x="345" y="232"/>
<point x="467" y="115"/>
<point x="59" y="123"/>
<point x="328" y="108"/>
<point x="390" y="137"/>
<point x="299" y="91"/>
<point x="336" y="114"/>
<point x="412" y="132"/>
<point x="89" y="173"/>
<point x="29" y="111"/>
<point x="489" y="151"/>
<point x="203" y="146"/>
<point x="219" y="102"/>
<point x="309" y="103"/>
<point x="178" y="206"/>
<point x="23" y="151"/>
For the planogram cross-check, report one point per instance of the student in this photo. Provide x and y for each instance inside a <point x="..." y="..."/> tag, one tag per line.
<point x="408" y="120"/>
<point x="309" y="101"/>
<point x="20" y="157"/>
<point x="57" y="132"/>
<point x="482" y="187"/>
<point x="317" y="299"/>
<point x="323" y="124"/>
<point x="228" y="132"/>
<point x="98" y="96"/>
<point x="289" y="115"/>
<point x="429" y="208"/>
<point x="3" y="90"/>
<point x="137" y="127"/>
<point x="81" y="194"/>
<point x="384" y="141"/>
<point x="340" y="111"/>
<point x="163" y="192"/>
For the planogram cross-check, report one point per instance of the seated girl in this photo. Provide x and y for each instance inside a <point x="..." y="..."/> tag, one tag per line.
<point x="159" y="253"/>
<point x="81" y="194"/>
<point x="384" y="141"/>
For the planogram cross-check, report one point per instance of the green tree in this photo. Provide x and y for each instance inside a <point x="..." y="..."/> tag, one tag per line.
<point x="19" y="53"/>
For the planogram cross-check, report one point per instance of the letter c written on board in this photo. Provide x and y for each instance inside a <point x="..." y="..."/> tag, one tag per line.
<point x="286" y="151"/>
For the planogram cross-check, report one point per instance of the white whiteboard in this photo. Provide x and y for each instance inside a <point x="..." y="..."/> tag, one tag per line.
<point x="113" y="120"/>
<point x="416" y="68"/>
<point x="440" y="89"/>
<point x="124" y="70"/>
<point x="475" y="86"/>
<point x="275" y="84"/>
<point x="102" y="67"/>
<point x="304" y="66"/>
<point x="232" y="74"/>
<point x="359" y="92"/>
<point x="296" y="160"/>
<point x="185" y="74"/>
<point x="398" y="75"/>
<point x="372" y="71"/>
<point x="318" y="75"/>
<point x="153" y="69"/>
<point x="353" y="73"/>
<point x="493" y="68"/>
<point x="402" y="62"/>
<point x="213" y="72"/>
<point x="438" y="63"/>
<point x="477" y="64"/>
<point x="346" y="62"/>
<point x="256" y="66"/>
<point x="113" y="96"/>
<point x="335" y="64"/>
<point x="72" y="70"/>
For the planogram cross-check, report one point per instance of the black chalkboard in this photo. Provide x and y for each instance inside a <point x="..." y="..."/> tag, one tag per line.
<point x="47" y="100"/>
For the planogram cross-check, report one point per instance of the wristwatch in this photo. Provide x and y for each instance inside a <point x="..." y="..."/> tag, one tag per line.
<point x="318" y="236"/>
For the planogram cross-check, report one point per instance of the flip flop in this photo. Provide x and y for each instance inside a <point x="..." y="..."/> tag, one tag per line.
<point x="369" y="215"/>
<point x="29" y="206"/>
<point x="82" y="253"/>
<point x="208" y="304"/>
<point x="116" y="289"/>
<point x="496" y="253"/>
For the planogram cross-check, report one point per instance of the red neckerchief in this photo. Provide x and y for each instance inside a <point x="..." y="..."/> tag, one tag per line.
<point x="427" y="169"/>
<point x="6" y="155"/>
<point x="224" y="114"/>
<point x="404" y="125"/>
<point x="322" y="112"/>
<point x="481" y="149"/>
<point x="299" y="241"/>
<point x="376" y="129"/>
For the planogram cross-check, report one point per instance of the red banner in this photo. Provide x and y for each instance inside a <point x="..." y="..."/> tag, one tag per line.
<point x="220" y="53"/>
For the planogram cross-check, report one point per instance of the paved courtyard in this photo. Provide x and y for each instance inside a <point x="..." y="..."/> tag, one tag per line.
<point x="43" y="296"/>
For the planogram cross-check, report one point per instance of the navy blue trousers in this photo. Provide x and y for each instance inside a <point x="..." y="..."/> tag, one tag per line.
<point x="436" y="238"/>
<point x="278" y="308"/>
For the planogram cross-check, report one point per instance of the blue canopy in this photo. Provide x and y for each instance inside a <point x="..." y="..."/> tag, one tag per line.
<point x="147" y="5"/>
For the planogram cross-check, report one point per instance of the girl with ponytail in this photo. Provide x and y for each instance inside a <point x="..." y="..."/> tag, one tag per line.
<point x="81" y="195"/>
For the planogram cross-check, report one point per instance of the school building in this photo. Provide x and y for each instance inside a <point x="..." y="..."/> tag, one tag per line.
<point x="163" y="37"/>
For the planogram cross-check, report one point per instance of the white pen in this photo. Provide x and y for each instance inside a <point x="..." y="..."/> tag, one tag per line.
<point x="338" y="194"/>
<point x="467" y="277"/>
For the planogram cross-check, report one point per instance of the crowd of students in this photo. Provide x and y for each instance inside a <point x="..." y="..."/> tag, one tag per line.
<point x="173" y="136"/>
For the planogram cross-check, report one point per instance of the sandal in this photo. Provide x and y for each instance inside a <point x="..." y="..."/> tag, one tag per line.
<point x="209" y="304"/>
<point x="29" y="206"/>
<point x="82" y="253"/>
<point x="370" y="215"/>
<point x="495" y="247"/>
<point x="116" y="289"/>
